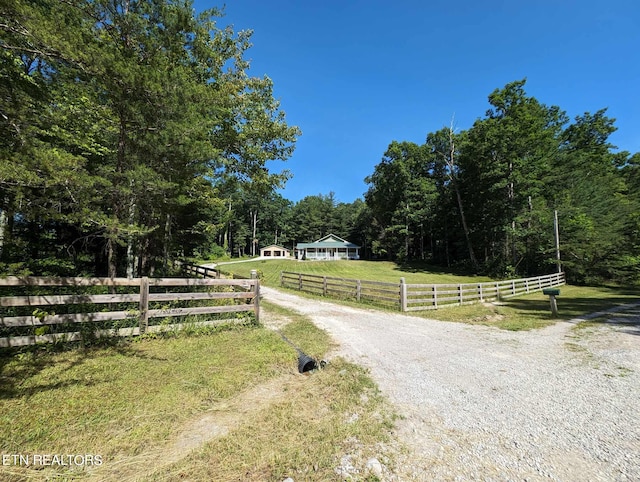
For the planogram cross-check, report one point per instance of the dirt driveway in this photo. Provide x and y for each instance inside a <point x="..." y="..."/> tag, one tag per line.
<point x="485" y="404"/>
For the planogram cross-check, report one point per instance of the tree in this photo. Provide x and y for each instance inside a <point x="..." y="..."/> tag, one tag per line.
<point x="503" y="169"/>
<point x="443" y="145"/>
<point x="588" y="191"/>
<point x="132" y="105"/>
<point x="401" y="195"/>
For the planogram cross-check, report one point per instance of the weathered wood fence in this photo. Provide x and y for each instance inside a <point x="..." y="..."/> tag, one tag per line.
<point x="197" y="270"/>
<point x="417" y="297"/>
<point x="145" y="304"/>
<point x="360" y="290"/>
<point x="194" y="269"/>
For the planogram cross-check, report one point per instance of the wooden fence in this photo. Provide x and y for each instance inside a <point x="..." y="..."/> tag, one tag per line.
<point x="417" y="297"/>
<point x="197" y="270"/>
<point x="431" y="296"/>
<point x="144" y="303"/>
<point x="360" y="290"/>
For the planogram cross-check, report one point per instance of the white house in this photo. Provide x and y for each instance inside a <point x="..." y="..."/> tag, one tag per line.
<point x="331" y="247"/>
<point x="274" y="251"/>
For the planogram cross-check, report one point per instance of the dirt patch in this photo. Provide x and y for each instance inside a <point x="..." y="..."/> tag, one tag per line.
<point x="217" y="421"/>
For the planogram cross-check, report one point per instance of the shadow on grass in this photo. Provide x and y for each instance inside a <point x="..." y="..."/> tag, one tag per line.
<point x="568" y="307"/>
<point x="586" y="307"/>
<point x="19" y="365"/>
<point x="422" y="267"/>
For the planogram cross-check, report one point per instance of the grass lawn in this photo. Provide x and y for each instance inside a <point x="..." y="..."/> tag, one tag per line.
<point x="520" y="313"/>
<point x="366" y="270"/>
<point x="533" y="310"/>
<point x="126" y="402"/>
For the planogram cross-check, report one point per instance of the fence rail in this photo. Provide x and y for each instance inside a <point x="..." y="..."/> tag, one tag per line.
<point x="360" y="290"/>
<point x="242" y="295"/>
<point x="197" y="270"/>
<point x="417" y="297"/>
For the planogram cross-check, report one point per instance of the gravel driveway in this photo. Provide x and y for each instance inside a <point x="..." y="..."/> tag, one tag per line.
<point x="485" y="404"/>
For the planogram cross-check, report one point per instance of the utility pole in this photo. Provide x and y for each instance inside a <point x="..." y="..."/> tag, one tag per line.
<point x="557" y="236"/>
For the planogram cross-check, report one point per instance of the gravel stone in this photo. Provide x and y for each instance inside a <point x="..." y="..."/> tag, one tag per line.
<point x="480" y="403"/>
<point x="375" y="467"/>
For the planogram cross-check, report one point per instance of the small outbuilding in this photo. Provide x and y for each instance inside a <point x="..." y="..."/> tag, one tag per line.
<point x="275" y="251"/>
<point x="331" y="247"/>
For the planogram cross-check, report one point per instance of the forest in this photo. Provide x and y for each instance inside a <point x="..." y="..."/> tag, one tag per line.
<point x="131" y="134"/>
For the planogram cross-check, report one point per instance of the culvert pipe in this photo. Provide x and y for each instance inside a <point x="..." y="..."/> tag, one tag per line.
<point x="305" y="362"/>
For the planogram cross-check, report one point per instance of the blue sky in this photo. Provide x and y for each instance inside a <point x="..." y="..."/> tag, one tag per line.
<point x="355" y="75"/>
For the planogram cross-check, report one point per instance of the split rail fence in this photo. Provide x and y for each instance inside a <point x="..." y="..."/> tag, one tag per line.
<point x="417" y="297"/>
<point x="197" y="270"/>
<point x="124" y="314"/>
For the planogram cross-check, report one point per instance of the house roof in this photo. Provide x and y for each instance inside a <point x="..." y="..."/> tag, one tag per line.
<point x="275" y="246"/>
<point x="328" y="241"/>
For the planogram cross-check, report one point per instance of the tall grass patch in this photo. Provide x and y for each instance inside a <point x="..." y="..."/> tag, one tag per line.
<point x="334" y="413"/>
<point x="123" y="400"/>
<point x="126" y="402"/>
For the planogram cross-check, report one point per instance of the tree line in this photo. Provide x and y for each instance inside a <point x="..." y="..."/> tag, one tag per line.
<point x="121" y="124"/>
<point x="131" y="134"/>
<point x="488" y="200"/>
<point x="486" y="197"/>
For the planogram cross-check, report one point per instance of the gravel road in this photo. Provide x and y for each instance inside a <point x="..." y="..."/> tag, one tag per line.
<point x="485" y="404"/>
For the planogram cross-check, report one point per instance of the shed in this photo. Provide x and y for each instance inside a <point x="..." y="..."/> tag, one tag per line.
<point x="274" y="251"/>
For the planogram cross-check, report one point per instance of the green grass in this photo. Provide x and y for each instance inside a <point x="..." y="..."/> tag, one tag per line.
<point x="124" y="402"/>
<point x="533" y="310"/>
<point x="300" y="331"/>
<point x="365" y="270"/>
<point x="335" y="412"/>
<point x="521" y="313"/>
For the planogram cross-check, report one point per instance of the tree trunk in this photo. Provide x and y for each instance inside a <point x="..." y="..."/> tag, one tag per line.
<point x="167" y="243"/>
<point x="130" y="250"/>
<point x="452" y="176"/>
<point x="4" y="227"/>
<point x="406" y="237"/>
<point x="254" y="241"/>
<point x="111" y="259"/>
<point x="472" y="256"/>
<point x="446" y="242"/>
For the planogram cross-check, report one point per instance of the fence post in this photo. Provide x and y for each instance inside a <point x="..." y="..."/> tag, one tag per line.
<point x="358" y="289"/>
<point x="435" y="296"/>
<point x="256" y="294"/>
<point x="403" y="295"/>
<point x="480" y="292"/>
<point x="300" y="281"/>
<point x="324" y="286"/>
<point x="144" y="304"/>
<point x="460" y="294"/>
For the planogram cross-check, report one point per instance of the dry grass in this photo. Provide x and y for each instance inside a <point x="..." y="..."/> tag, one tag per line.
<point x="126" y="403"/>
<point x="330" y="414"/>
